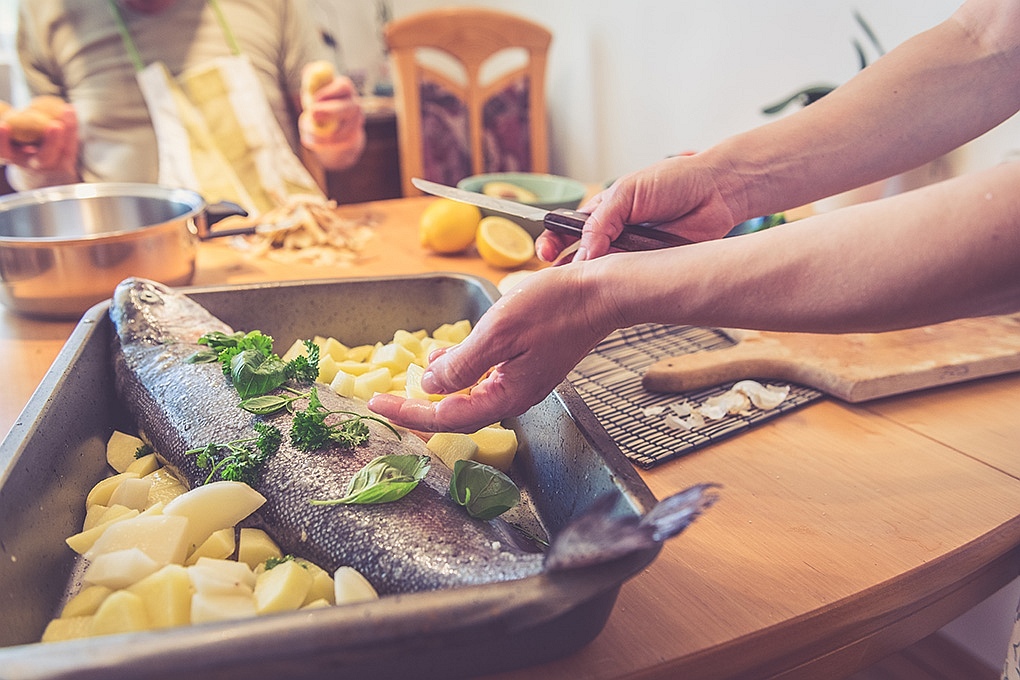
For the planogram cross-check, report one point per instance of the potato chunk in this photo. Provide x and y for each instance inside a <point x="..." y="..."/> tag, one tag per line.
<point x="120" y="450"/>
<point x="282" y="588"/>
<point x="212" y="507"/>
<point x="120" y="568"/>
<point x="86" y="602"/>
<point x="219" y="607"/>
<point x="352" y="587"/>
<point x="166" y="595"/>
<point x="220" y="545"/>
<point x="450" y="447"/>
<point x="254" y="547"/>
<point x="102" y="491"/>
<point x="121" y="612"/>
<point x="161" y="537"/>
<point x="497" y="447"/>
<point x="69" y="628"/>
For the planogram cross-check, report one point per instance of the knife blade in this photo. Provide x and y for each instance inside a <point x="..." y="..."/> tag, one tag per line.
<point x="560" y="220"/>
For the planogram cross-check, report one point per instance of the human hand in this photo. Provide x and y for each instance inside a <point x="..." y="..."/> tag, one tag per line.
<point x="682" y="194"/>
<point x="528" y="349"/>
<point x="332" y="124"/>
<point x="55" y="152"/>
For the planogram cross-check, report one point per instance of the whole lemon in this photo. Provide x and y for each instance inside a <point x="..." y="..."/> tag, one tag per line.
<point x="448" y="226"/>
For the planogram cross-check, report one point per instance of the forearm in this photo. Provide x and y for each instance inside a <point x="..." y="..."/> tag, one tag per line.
<point x="927" y="256"/>
<point x="931" y="94"/>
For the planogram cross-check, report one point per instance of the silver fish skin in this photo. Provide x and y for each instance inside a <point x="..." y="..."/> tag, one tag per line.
<point x="422" y="542"/>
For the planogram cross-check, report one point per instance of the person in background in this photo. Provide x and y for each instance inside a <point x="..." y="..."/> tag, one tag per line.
<point x="204" y="94"/>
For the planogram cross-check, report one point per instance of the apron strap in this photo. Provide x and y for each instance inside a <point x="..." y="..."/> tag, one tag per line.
<point x="132" y="49"/>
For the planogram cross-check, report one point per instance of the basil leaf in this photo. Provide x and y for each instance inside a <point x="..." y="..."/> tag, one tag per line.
<point x="484" y="491"/>
<point x="383" y="480"/>
<point x="265" y="404"/>
<point x="254" y="373"/>
<point x="217" y="340"/>
<point x="204" y="356"/>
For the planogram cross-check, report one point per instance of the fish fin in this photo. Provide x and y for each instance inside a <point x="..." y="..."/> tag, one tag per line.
<point x="675" y="513"/>
<point x="599" y="536"/>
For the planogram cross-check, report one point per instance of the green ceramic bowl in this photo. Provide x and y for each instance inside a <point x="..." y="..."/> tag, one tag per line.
<point x="549" y="191"/>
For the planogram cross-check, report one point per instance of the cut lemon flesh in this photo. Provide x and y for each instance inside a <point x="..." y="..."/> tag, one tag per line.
<point x="502" y="243"/>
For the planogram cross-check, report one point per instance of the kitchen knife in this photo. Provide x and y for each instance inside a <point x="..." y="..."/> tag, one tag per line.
<point x="560" y="220"/>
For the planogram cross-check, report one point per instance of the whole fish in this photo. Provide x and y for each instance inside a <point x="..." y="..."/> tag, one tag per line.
<point x="423" y="541"/>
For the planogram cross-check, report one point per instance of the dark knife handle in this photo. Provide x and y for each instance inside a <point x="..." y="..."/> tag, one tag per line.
<point x="634" y="237"/>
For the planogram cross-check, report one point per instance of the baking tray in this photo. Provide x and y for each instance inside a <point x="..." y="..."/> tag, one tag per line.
<point x="56" y="451"/>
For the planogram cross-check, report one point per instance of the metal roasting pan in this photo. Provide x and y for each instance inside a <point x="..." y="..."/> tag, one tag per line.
<point x="56" y="451"/>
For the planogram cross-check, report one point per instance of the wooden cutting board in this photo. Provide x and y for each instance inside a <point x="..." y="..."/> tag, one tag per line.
<point x="854" y="367"/>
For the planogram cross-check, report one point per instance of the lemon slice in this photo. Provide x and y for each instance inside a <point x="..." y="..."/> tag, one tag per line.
<point x="502" y="243"/>
<point x="448" y="226"/>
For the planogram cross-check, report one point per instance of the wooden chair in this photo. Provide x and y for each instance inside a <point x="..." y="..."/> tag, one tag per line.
<point x="469" y="85"/>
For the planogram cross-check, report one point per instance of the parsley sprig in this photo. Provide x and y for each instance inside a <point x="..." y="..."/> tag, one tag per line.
<point x="310" y="431"/>
<point x="239" y="460"/>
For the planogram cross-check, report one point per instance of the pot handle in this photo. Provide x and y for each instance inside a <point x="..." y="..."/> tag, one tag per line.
<point x="214" y="212"/>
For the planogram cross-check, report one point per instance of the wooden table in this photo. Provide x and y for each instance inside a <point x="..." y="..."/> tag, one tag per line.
<point x="844" y="532"/>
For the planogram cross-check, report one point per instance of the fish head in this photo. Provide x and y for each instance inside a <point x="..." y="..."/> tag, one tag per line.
<point x="151" y="313"/>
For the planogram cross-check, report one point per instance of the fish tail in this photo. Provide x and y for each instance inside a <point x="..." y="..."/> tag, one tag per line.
<point x="599" y="536"/>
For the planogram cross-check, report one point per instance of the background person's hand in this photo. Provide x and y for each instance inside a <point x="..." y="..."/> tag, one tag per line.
<point x="682" y="194"/>
<point x="332" y="124"/>
<point x="56" y="152"/>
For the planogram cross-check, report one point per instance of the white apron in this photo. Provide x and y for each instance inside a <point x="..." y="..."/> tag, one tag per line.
<point x="215" y="131"/>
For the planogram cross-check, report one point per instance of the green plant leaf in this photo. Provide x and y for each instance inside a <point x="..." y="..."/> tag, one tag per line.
<point x="484" y="491"/>
<point x="383" y="480"/>
<point x="255" y="373"/>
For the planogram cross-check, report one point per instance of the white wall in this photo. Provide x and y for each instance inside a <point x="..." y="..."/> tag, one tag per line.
<point x="633" y="81"/>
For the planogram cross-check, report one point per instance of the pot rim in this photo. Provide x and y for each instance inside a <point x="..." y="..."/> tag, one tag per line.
<point x="88" y="190"/>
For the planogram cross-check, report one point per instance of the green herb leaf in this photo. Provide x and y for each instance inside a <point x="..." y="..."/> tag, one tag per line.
<point x="310" y="431"/>
<point x="267" y="404"/>
<point x="484" y="491"/>
<point x="143" y="450"/>
<point x="204" y="356"/>
<point x="239" y="460"/>
<point x="274" y="561"/>
<point x="305" y="368"/>
<point x="248" y="360"/>
<point x="254" y="373"/>
<point x="383" y="480"/>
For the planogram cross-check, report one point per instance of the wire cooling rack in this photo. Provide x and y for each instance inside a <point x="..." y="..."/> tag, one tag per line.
<point x="609" y="381"/>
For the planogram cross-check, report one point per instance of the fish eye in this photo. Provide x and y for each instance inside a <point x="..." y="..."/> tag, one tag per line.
<point x="149" y="295"/>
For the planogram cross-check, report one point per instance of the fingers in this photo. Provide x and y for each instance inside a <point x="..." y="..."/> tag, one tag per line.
<point x="58" y="149"/>
<point x="549" y="245"/>
<point x="457" y="413"/>
<point x="333" y="124"/>
<point x="487" y="403"/>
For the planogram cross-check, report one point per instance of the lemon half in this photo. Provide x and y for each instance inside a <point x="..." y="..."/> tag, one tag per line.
<point x="502" y="243"/>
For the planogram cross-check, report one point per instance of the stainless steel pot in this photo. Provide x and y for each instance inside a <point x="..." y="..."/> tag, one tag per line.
<point x="65" y="248"/>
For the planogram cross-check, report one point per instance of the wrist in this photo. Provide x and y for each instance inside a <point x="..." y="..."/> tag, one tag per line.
<point x="610" y="289"/>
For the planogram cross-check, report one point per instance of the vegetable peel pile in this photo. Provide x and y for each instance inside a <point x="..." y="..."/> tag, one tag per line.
<point x="304" y="230"/>
<point x="742" y="398"/>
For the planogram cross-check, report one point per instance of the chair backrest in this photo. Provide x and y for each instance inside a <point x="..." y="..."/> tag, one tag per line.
<point x="470" y="93"/>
